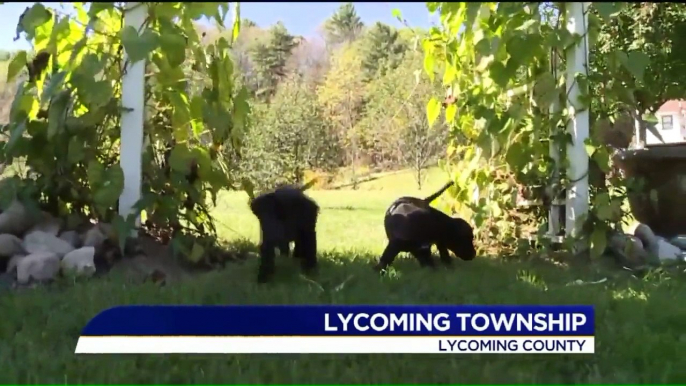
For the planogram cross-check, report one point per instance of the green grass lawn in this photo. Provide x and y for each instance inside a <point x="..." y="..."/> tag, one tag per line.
<point x="641" y="324"/>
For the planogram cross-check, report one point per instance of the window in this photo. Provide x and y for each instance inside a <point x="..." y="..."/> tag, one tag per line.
<point x="667" y="122"/>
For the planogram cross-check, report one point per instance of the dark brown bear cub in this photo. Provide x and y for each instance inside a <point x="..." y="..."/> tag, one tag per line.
<point x="286" y="215"/>
<point x="412" y="225"/>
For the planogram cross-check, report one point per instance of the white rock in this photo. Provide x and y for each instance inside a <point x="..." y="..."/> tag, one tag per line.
<point x="39" y="241"/>
<point x="80" y="261"/>
<point x="72" y="237"/>
<point x="12" y="264"/>
<point x="94" y="238"/>
<point x="656" y="245"/>
<point x="15" y="219"/>
<point x="48" y="224"/>
<point x="10" y="245"/>
<point x="666" y="251"/>
<point x="39" y="266"/>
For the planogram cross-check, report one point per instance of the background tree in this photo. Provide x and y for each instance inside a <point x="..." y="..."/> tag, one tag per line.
<point x="344" y="26"/>
<point x="289" y="136"/>
<point x="382" y="50"/>
<point x="341" y="96"/>
<point x="270" y="57"/>
<point x="658" y="31"/>
<point x="395" y="126"/>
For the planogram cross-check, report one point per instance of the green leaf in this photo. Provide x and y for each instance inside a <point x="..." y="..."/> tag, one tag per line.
<point x="197" y="10"/>
<point x="602" y="158"/>
<point x="17" y="63"/>
<point x="450" y="112"/>
<point x="650" y="118"/>
<point x="90" y="66"/>
<point x="55" y="85"/>
<point x="449" y="75"/>
<point x="526" y="25"/>
<point x="76" y="150"/>
<point x="429" y="65"/>
<point x="174" y="47"/>
<point x="180" y="158"/>
<point x="95" y="173"/>
<point x="100" y="94"/>
<point x="168" y="11"/>
<point x="499" y="74"/>
<point x="241" y="110"/>
<point x="22" y="103"/>
<point x="433" y="110"/>
<point x="236" y="21"/>
<point x="637" y="62"/>
<point x="523" y="48"/>
<point x="57" y="113"/>
<point x="196" y="114"/>
<point x="590" y="149"/>
<point x="138" y="47"/>
<point x="472" y="13"/>
<point x="545" y="91"/>
<point x="433" y="6"/>
<point x="109" y="191"/>
<point x="33" y="18"/>
<point x="203" y="160"/>
<point x="607" y="10"/>
<point x="197" y="252"/>
<point x="97" y="7"/>
<point x="598" y="242"/>
<point x="181" y="116"/>
<point x="516" y="156"/>
<point x="397" y="14"/>
<point x="15" y="135"/>
<point x="483" y="47"/>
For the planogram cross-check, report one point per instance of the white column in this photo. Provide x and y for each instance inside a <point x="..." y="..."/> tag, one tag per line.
<point x="577" y="195"/>
<point x="554" y="151"/>
<point x="133" y="98"/>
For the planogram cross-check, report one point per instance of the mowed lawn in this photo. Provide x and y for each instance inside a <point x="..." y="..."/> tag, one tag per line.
<point x="641" y="324"/>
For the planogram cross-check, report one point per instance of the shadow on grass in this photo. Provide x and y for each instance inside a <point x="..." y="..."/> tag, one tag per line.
<point x="641" y="325"/>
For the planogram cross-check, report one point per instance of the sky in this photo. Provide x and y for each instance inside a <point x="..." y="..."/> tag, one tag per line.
<point x="300" y="18"/>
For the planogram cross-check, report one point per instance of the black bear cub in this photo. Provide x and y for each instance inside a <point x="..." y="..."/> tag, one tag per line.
<point x="286" y="215"/>
<point x="412" y="225"/>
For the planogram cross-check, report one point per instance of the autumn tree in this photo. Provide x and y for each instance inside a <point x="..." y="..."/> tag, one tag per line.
<point x="310" y="60"/>
<point x="341" y="96"/>
<point x="395" y="127"/>
<point x="289" y="135"/>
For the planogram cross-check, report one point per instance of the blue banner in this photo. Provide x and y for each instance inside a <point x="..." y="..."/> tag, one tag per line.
<point x="334" y="320"/>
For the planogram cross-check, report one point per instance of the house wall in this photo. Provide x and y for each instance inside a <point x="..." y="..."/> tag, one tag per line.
<point x="675" y="135"/>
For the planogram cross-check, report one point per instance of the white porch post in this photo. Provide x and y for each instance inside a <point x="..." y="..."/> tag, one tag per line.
<point x="554" y="152"/>
<point x="133" y="90"/>
<point x="577" y="202"/>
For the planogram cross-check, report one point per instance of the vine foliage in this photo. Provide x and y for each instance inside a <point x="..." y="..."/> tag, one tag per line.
<point x="65" y="119"/>
<point x="496" y="60"/>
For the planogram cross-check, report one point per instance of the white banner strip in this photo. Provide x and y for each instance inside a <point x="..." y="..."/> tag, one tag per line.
<point x="333" y="345"/>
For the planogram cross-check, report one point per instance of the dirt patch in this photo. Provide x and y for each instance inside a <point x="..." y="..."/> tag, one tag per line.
<point x="154" y="261"/>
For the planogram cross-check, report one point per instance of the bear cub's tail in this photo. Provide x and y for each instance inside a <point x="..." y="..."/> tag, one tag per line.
<point x="434" y="196"/>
